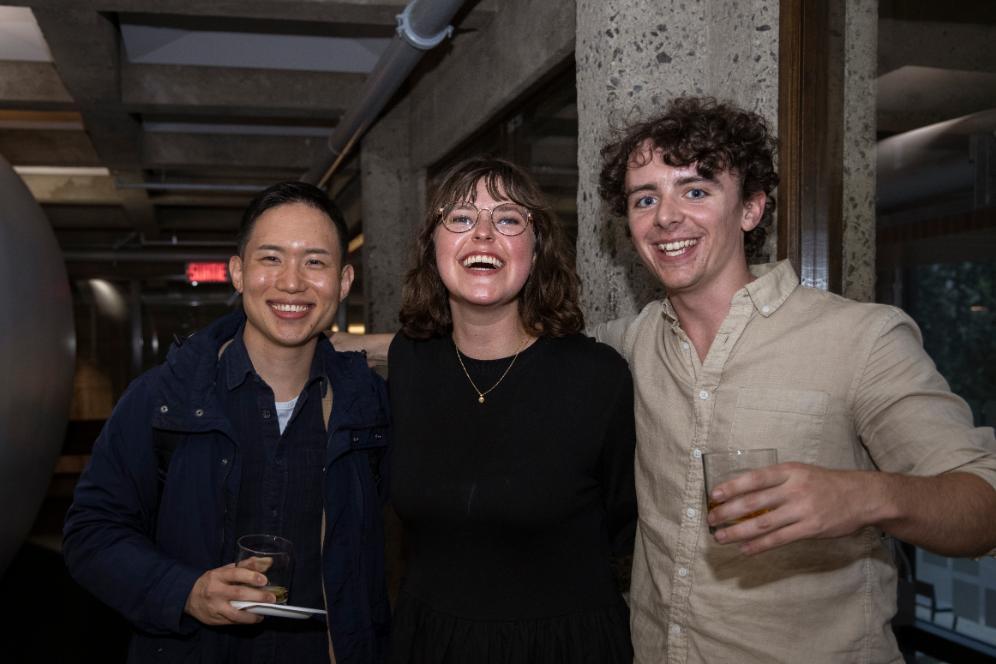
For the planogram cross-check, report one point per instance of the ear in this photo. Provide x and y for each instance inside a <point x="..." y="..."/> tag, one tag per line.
<point x="235" y="272"/>
<point x="345" y="281"/>
<point x="753" y="211"/>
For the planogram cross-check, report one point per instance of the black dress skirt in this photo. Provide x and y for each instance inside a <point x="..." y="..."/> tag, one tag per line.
<point x="512" y="508"/>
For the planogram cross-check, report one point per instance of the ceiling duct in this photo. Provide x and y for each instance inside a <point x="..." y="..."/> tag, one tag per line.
<point x="423" y="25"/>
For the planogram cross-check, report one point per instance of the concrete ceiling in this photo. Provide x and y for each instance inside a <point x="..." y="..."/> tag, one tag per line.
<point x="164" y="114"/>
<point x="146" y="125"/>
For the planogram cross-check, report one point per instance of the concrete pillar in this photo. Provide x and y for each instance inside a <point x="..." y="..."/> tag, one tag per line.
<point x="860" y="62"/>
<point x="392" y="209"/>
<point x="632" y="56"/>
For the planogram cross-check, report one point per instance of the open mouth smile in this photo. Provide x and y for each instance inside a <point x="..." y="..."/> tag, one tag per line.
<point x="482" y="262"/>
<point x="676" y="248"/>
<point x="287" y="310"/>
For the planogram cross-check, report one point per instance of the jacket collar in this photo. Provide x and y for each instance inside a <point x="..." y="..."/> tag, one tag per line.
<point x="185" y="396"/>
<point x="185" y="399"/>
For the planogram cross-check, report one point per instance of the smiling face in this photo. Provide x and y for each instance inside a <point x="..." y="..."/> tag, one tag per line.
<point x="482" y="267"/>
<point x="687" y="228"/>
<point x="291" y="277"/>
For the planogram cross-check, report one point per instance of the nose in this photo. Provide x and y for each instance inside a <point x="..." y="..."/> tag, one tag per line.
<point x="667" y="213"/>
<point x="484" y="229"/>
<point x="289" y="280"/>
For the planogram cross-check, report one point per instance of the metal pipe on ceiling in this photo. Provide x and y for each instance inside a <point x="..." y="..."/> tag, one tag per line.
<point x="423" y="25"/>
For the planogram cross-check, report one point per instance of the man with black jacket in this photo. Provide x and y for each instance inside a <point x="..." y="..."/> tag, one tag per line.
<point x="253" y="425"/>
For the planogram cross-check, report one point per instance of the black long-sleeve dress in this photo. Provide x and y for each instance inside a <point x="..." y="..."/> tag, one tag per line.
<point x="512" y="508"/>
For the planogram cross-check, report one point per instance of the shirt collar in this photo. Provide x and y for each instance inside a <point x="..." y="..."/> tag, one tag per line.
<point x="237" y="365"/>
<point x="772" y="285"/>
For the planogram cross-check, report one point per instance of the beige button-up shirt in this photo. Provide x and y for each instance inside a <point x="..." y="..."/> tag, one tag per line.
<point x="826" y="381"/>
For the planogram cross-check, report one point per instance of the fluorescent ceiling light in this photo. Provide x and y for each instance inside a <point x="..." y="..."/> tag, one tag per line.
<point x="61" y="170"/>
<point x="20" y="37"/>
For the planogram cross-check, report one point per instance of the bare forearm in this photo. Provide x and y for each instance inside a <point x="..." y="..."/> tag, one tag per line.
<point x="376" y="346"/>
<point x="953" y="514"/>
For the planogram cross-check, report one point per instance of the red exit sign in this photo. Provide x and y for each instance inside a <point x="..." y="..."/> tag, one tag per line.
<point x="207" y="272"/>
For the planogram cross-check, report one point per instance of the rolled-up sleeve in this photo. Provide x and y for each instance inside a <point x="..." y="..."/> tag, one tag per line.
<point x="907" y="416"/>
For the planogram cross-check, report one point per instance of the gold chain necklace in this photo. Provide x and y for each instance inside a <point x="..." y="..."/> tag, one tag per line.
<point x="480" y="395"/>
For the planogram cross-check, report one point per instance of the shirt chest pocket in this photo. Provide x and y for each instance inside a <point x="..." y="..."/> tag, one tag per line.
<point x="790" y="421"/>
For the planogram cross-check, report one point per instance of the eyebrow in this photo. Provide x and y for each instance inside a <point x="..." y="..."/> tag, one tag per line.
<point x="309" y="250"/>
<point x="680" y="182"/>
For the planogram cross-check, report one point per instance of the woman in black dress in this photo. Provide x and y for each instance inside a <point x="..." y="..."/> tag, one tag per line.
<point x="512" y="468"/>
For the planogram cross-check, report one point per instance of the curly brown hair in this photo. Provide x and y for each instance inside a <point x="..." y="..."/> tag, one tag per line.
<point x="715" y="136"/>
<point x="548" y="302"/>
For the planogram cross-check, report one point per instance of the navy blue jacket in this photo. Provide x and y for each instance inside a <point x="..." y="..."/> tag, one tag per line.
<point x="141" y="553"/>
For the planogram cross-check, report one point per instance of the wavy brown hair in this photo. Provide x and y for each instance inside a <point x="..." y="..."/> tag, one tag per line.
<point x="548" y="302"/>
<point x="715" y="136"/>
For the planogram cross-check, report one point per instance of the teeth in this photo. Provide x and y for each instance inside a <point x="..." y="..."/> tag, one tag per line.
<point x="676" y="248"/>
<point x="297" y="308"/>
<point x="477" y="259"/>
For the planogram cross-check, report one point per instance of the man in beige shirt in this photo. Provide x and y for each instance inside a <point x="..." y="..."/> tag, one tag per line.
<point x="869" y="437"/>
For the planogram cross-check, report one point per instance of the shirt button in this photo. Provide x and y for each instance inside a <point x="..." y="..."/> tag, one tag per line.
<point x="704" y="395"/>
<point x="224" y="462"/>
<point x="266" y="414"/>
<point x="675" y="629"/>
<point x="690" y="513"/>
<point x="684" y="344"/>
<point x="697" y="453"/>
<point x="199" y="412"/>
<point x="682" y="571"/>
<point x="163" y="409"/>
<point x="765" y="309"/>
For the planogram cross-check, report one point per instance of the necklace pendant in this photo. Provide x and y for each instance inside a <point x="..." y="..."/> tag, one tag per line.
<point x="480" y="399"/>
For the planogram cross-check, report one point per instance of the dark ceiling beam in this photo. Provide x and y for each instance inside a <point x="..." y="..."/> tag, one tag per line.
<point x="87" y="52"/>
<point x="42" y="147"/>
<point x="168" y="150"/>
<point x="225" y="220"/>
<point x="222" y="91"/>
<point x="34" y="85"/>
<point x="86" y="217"/>
<point x="354" y="12"/>
<point x="329" y="11"/>
<point x="130" y="255"/>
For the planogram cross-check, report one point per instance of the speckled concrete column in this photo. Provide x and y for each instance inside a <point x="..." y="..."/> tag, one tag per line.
<point x="632" y="56"/>
<point x="860" y="60"/>
<point x="390" y="214"/>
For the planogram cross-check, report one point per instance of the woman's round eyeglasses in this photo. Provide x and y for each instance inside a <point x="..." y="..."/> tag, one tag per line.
<point x="508" y="218"/>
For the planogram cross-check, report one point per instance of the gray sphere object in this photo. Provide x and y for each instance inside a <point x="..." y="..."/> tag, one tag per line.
<point x="37" y="354"/>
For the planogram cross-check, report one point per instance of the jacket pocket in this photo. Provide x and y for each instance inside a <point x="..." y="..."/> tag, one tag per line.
<point x="790" y="421"/>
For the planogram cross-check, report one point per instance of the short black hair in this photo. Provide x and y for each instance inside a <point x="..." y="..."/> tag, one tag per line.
<point x="292" y="191"/>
